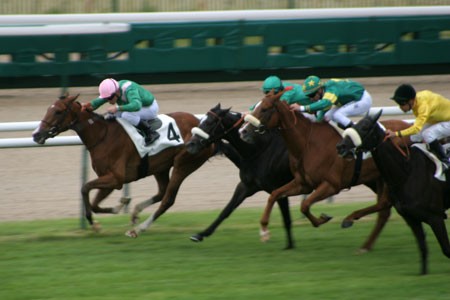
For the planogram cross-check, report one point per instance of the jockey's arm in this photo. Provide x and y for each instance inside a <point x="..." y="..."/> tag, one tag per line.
<point x="322" y="104"/>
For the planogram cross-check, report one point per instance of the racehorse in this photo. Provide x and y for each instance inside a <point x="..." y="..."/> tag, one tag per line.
<point x="116" y="161"/>
<point x="318" y="170"/>
<point x="418" y="196"/>
<point x="264" y="165"/>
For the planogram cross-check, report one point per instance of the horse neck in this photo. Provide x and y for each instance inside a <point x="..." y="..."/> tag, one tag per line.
<point x="392" y="164"/>
<point x="245" y="149"/>
<point x="91" y="128"/>
<point x="301" y="133"/>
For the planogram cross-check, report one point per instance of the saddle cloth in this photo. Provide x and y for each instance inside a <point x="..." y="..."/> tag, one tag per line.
<point x="169" y="136"/>
<point x="440" y="171"/>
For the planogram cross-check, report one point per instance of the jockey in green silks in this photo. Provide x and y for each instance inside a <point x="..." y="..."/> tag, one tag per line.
<point x="338" y="98"/>
<point x="293" y="93"/>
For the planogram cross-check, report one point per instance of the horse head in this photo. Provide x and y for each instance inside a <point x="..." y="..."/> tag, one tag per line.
<point x="213" y="127"/>
<point x="363" y="136"/>
<point x="60" y="116"/>
<point x="264" y="116"/>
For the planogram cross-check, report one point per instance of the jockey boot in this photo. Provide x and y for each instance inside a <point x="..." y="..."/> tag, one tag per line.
<point x="343" y="127"/>
<point x="439" y="151"/>
<point x="150" y="134"/>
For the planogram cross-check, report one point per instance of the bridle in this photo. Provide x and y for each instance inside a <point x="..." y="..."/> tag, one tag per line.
<point x="57" y="128"/>
<point x="75" y="124"/>
<point x="219" y="123"/>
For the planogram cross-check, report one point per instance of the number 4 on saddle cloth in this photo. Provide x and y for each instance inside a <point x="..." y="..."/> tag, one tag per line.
<point x="167" y="128"/>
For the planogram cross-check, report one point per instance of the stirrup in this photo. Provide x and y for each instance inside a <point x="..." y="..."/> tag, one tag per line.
<point x="151" y="138"/>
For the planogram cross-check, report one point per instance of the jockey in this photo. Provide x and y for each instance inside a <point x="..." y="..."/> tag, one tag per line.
<point x="129" y="101"/>
<point x="336" y="99"/>
<point x="293" y="93"/>
<point x="432" y="121"/>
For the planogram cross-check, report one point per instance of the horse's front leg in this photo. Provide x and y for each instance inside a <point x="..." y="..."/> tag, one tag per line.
<point x="323" y="191"/>
<point x="105" y="184"/>
<point x="290" y="189"/>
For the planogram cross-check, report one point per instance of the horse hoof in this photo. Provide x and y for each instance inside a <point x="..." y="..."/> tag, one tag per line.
<point x="362" y="251"/>
<point x="346" y="224"/>
<point x="131" y="233"/>
<point x="325" y="217"/>
<point x="264" y="236"/>
<point x="196" y="238"/>
<point x="96" y="227"/>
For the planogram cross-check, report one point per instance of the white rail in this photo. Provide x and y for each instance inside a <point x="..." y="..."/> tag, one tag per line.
<point x="75" y="140"/>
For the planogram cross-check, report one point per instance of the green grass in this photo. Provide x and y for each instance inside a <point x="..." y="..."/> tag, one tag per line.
<point x="57" y="260"/>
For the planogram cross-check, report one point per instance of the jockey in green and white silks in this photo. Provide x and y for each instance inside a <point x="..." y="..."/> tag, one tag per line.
<point x="129" y="101"/>
<point x="293" y="93"/>
<point x="338" y="98"/>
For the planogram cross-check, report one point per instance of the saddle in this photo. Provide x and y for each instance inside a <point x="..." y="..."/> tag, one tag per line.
<point x="165" y="125"/>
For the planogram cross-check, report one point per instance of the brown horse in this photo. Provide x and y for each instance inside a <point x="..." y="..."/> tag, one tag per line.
<point x="115" y="158"/>
<point x="318" y="170"/>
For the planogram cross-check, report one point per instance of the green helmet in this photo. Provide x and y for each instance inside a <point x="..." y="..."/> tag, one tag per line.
<point x="272" y="83"/>
<point x="311" y="85"/>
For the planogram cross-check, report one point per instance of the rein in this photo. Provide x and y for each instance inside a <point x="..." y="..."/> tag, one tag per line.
<point x="399" y="149"/>
<point x="220" y="123"/>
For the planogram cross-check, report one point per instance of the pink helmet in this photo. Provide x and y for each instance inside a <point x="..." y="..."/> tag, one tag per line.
<point x="108" y="87"/>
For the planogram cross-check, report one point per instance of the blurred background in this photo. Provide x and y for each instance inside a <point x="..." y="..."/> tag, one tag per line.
<point x="118" y="6"/>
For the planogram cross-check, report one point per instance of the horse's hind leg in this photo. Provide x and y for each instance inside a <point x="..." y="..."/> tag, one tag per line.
<point x="163" y="180"/>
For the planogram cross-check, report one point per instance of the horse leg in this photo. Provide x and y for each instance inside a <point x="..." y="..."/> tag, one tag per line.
<point x="382" y="218"/>
<point x="323" y="191"/>
<point x="283" y="203"/>
<point x="101" y="195"/>
<point x="440" y="231"/>
<point x="107" y="183"/>
<point x="241" y="192"/>
<point x="184" y="165"/>
<point x="162" y="180"/>
<point x="382" y="204"/>
<point x="290" y="189"/>
<point x="417" y="228"/>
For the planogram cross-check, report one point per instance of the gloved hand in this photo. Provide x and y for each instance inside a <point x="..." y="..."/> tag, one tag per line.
<point x="87" y="107"/>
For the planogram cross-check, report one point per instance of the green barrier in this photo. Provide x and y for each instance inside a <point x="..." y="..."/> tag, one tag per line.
<point x="231" y="50"/>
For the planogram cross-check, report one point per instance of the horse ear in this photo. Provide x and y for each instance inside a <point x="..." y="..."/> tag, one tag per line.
<point x="377" y="115"/>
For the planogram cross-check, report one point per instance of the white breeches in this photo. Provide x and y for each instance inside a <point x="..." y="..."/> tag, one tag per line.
<point x="145" y="113"/>
<point x="433" y="132"/>
<point x="340" y="114"/>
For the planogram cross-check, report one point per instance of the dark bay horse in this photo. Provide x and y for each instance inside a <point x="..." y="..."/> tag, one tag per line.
<point x="263" y="165"/>
<point x="115" y="159"/>
<point x="318" y="170"/>
<point x="418" y="196"/>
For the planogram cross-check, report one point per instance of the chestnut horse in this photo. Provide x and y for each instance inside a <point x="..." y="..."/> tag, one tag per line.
<point x="318" y="170"/>
<point x="417" y="195"/>
<point x="116" y="161"/>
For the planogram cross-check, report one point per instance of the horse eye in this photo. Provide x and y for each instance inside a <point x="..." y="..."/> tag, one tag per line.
<point x="58" y="112"/>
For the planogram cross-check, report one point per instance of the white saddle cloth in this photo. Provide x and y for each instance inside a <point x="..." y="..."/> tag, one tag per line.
<point x="439" y="173"/>
<point x="169" y="136"/>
